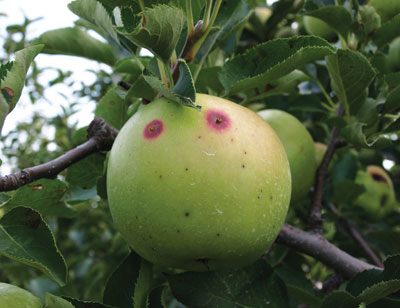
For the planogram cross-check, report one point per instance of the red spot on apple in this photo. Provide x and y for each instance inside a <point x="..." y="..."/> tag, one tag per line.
<point x="218" y="120"/>
<point x="153" y="129"/>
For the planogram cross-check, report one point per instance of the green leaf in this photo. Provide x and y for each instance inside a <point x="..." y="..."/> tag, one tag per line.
<point x="354" y="134"/>
<point x="112" y="108"/>
<point x="346" y="191"/>
<point x="197" y="7"/>
<point x="298" y="286"/>
<point x="231" y="17"/>
<point x="340" y="299"/>
<point x="45" y="196"/>
<point x="168" y="93"/>
<point x="4" y="69"/>
<point x="338" y="17"/>
<point x="4" y="108"/>
<point x="12" y="85"/>
<point x="95" y="13"/>
<point x="141" y="89"/>
<point x="253" y="286"/>
<point x="272" y="60"/>
<point x="85" y="172"/>
<point x="157" y="297"/>
<point x="184" y="87"/>
<point x="350" y="73"/>
<point x="159" y="30"/>
<point x="130" y="284"/>
<point x="25" y="237"/>
<point x="392" y="102"/>
<point x="75" y="42"/>
<point x="388" y="32"/>
<point x="53" y="301"/>
<point x="207" y="81"/>
<point x="86" y="304"/>
<point x="392" y="80"/>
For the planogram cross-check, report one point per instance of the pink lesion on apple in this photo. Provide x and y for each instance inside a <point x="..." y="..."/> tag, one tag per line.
<point x="218" y="120"/>
<point x="153" y="129"/>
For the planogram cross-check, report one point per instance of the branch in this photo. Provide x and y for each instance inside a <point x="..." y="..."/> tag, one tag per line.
<point x="100" y="138"/>
<point x="316" y="220"/>
<point x="357" y="237"/>
<point x="318" y="247"/>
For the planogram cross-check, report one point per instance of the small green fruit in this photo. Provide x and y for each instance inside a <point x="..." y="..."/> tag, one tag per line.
<point x="198" y="190"/>
<point x="387" y="9"/>
<point x="379" y="197"/>
<point x="316" y="26"/>
<point x="15" y="297"/>
<point x="299" y="147"/>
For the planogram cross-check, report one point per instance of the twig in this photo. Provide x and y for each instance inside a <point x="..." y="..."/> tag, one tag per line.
<point x="100" y="138"/>
<point x="318" y="247"/>
<point x="332" y="283"/>
<point x="315" y="219"/>
<point x="124" y="85"/>
<point x="356" y="236"/>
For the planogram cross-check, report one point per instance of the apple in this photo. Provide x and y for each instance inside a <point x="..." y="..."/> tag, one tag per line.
<point x="299" y="147"/>
<point x="15" y="297"/>
<point x="198" y="190"/>
<point x="316" y="26"/>
<point x="387" y="9"/>
<point x="379" y="197"/>
<point x="393" y="57"/>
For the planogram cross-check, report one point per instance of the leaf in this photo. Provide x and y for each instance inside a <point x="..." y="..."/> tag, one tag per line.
<point x="159" y="30"/>
<point x="298" y="286"/>
<point x="53" y="301"/>
<point x="388" y="32"/>
<point x="346" y="191"/>
<point x="141" y="89"/>
<point x="197" y="7"/>
<point x="392" y="102"/>
<point x="207" y="81"/>
<point x="350" y="73"/>
<point x="184" y="87"/>
<point x="4" y="69"/>
<point x="130" y="284"/>
<point x="392" y="80"/>
<point x="45" y="196"/>
<point x="112" y="108"/>
<point x="272" y="60"/>
<point x="75" y="42"/>
<point x="157" y="297"/>
<point x="253" y="286"/>
<point x="370" y="286"/>
<point x="168" y="93"/>
<point x="85" y="304"/>
<point x="25" y="237"/>
<point x="95" y="13"/>
<point x="354" y="134"/>
<point x="231" y="17"/>
<point x="4" y="108"/>
<point x="340" y="299"/>
<point x="12" y="85"/>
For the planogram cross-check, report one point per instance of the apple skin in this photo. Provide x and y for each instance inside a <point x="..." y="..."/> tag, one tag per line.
<point x="379" y="197"/>
<point x="299" y="147"/>
<point x="316" y="26"/>
<point x="211" y="190"/>
<point x="387" y="9"/>
<point x="14" y="297"/>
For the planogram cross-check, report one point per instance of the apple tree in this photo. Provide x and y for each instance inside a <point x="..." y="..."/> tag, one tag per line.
<point x="251" y="160"/>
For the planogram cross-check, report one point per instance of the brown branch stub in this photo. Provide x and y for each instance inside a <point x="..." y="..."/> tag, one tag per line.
<point x="318" y="247"/>
<point x="125" y="85"/>
<point x="315" y="218"/>
<point x="332" y="283"/>
<point x="101" y="137"/>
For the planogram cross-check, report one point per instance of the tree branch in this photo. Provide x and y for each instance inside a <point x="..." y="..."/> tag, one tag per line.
<point x="100" y="138"/>
<point x="318" y="247"/>
<point x="316" y="219"/>
<point x="356" y="236"/>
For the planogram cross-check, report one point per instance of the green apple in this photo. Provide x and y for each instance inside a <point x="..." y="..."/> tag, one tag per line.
<point x="320" y="150"/>
<point x="316" y="26"/>
<point x="387" y="9"/>
<point x="393" y="57"/>
<point x="379" y="197"/>
<point x="15" y="297"/>
<point x="299" y="147"/>
<point x="198" y="190"/>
